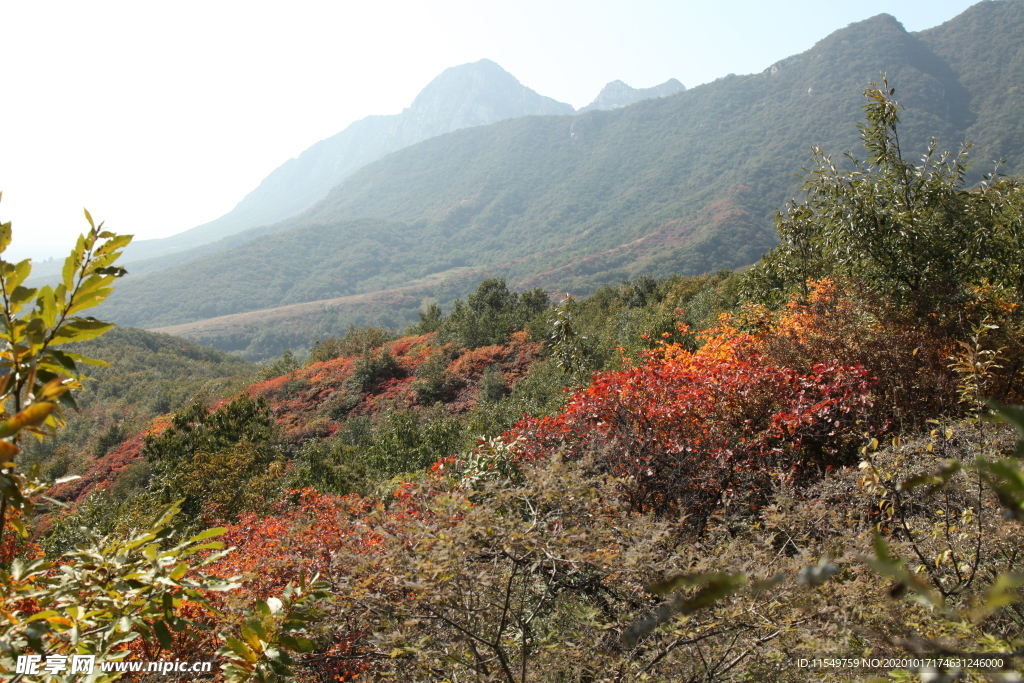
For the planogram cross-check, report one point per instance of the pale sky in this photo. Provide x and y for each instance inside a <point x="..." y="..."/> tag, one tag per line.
<point x="161" y="116"/>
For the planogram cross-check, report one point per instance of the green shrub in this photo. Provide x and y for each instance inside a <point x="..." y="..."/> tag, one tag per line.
<point x="372" y="367"/>
<point x="355" y="340"/>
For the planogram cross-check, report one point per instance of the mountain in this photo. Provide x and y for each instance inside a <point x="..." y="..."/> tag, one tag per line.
<point x="463" y="96"/>
<point x="617" y="94"/>
<point x="984" y="49"/>
<point x="684" y="184"/>
<point x="474" y="94"/>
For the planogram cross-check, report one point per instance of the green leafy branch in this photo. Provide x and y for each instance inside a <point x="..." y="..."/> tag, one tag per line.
<point x="35" y="376"/>
<point x="107" y="593"/>
<point x="269" y="633"/>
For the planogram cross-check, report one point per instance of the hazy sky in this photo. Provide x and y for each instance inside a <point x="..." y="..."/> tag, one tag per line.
<point x="161" y="116"/>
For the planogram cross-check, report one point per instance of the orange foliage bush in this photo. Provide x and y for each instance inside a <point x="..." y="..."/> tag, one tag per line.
<point x="307" y="536"/>
<point x="908" y="359"/>
<point x="690" y="431"/>
<point x="271" y="551"/>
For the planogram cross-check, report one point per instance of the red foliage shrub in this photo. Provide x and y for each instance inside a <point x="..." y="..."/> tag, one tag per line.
<point x="689" y="431"/>
<point x="271" y="551"/>
<point x="471" y="364"/>
<point x="335" y="537"/>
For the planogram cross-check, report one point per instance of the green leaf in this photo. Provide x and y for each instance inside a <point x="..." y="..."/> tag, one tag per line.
<point x="80" y="330"/>
<point x="250" y="635"/>
<point x="163" y="635"/>
<point x="34" y="635"/>
<point x="69" y="269"/>
<point x="64" y="361"/>
<point x="43" y="615"/>
<point x="113" y="243"/>
<point x="1004" y="591"/>
<point x="1007" y="480"/>
<point x="99" y="263"/>
<point x="767" y="584"/>
<point x="10" y="488"/>
<point x="719" y="587"/>
<point x="684" y="581"/>
<point x="936" y="480"/>
<point x="882" y="549"/>
<point x="1011" y="415"/>
<point x="212" y="545"/>
<point x="19" y="526"/>
<point x="21" y="296"/>
<point x="297" y="643"/>
<point x="46" y="304"/>
<point x="241" y="649"/>
<point x="168" y="513"/>
<point x="5" y="236"/>
<point x="68" y="400"/>
<point x="22" y="269"/>
<point x="34" y="415"/>
<point x="66" y="357"/>
<point x="179" y="571"/>
<point x="886" y="565"/>
<point x="714" y="586"/>
<point x="279" y="660"/>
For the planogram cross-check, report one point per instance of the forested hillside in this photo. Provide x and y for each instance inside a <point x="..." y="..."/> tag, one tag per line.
<point x="684" y="184"/>
<point x="463" y="96"/>
<point x="149" y="375"/>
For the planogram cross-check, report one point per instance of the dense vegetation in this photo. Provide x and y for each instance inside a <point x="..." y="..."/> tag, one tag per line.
<point x="701" y="478"/>
<point x="149" y="375"/>
<point x="680" y="185"/>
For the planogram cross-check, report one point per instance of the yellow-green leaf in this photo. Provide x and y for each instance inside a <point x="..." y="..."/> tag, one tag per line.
<point x="33" y="415"/>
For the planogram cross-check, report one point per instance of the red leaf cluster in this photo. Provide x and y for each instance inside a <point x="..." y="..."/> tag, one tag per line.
<point x="687" y="430"/>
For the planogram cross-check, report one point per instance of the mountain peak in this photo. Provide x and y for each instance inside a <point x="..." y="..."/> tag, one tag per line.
<point x="470" y="73"/>
<point x="472" y="94"/>
<point x="617" y="94"/>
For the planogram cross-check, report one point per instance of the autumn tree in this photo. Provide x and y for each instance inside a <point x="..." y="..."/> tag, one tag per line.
<point x="913" y="233"/>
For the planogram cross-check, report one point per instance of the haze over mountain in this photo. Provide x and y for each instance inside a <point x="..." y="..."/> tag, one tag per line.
<point x="617" y="94"/>
<point x="683" y="184"/>
<point x="473" y="94"/>
<point x="461" y="97"/>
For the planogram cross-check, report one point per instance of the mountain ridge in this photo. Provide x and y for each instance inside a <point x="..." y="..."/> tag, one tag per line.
<point x="699" y="174"/>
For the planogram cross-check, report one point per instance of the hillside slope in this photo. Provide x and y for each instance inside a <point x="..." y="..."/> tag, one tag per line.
<point x="150" y="374"/>
<point x="984" y="48"/>
<point x="684" y="184"/>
